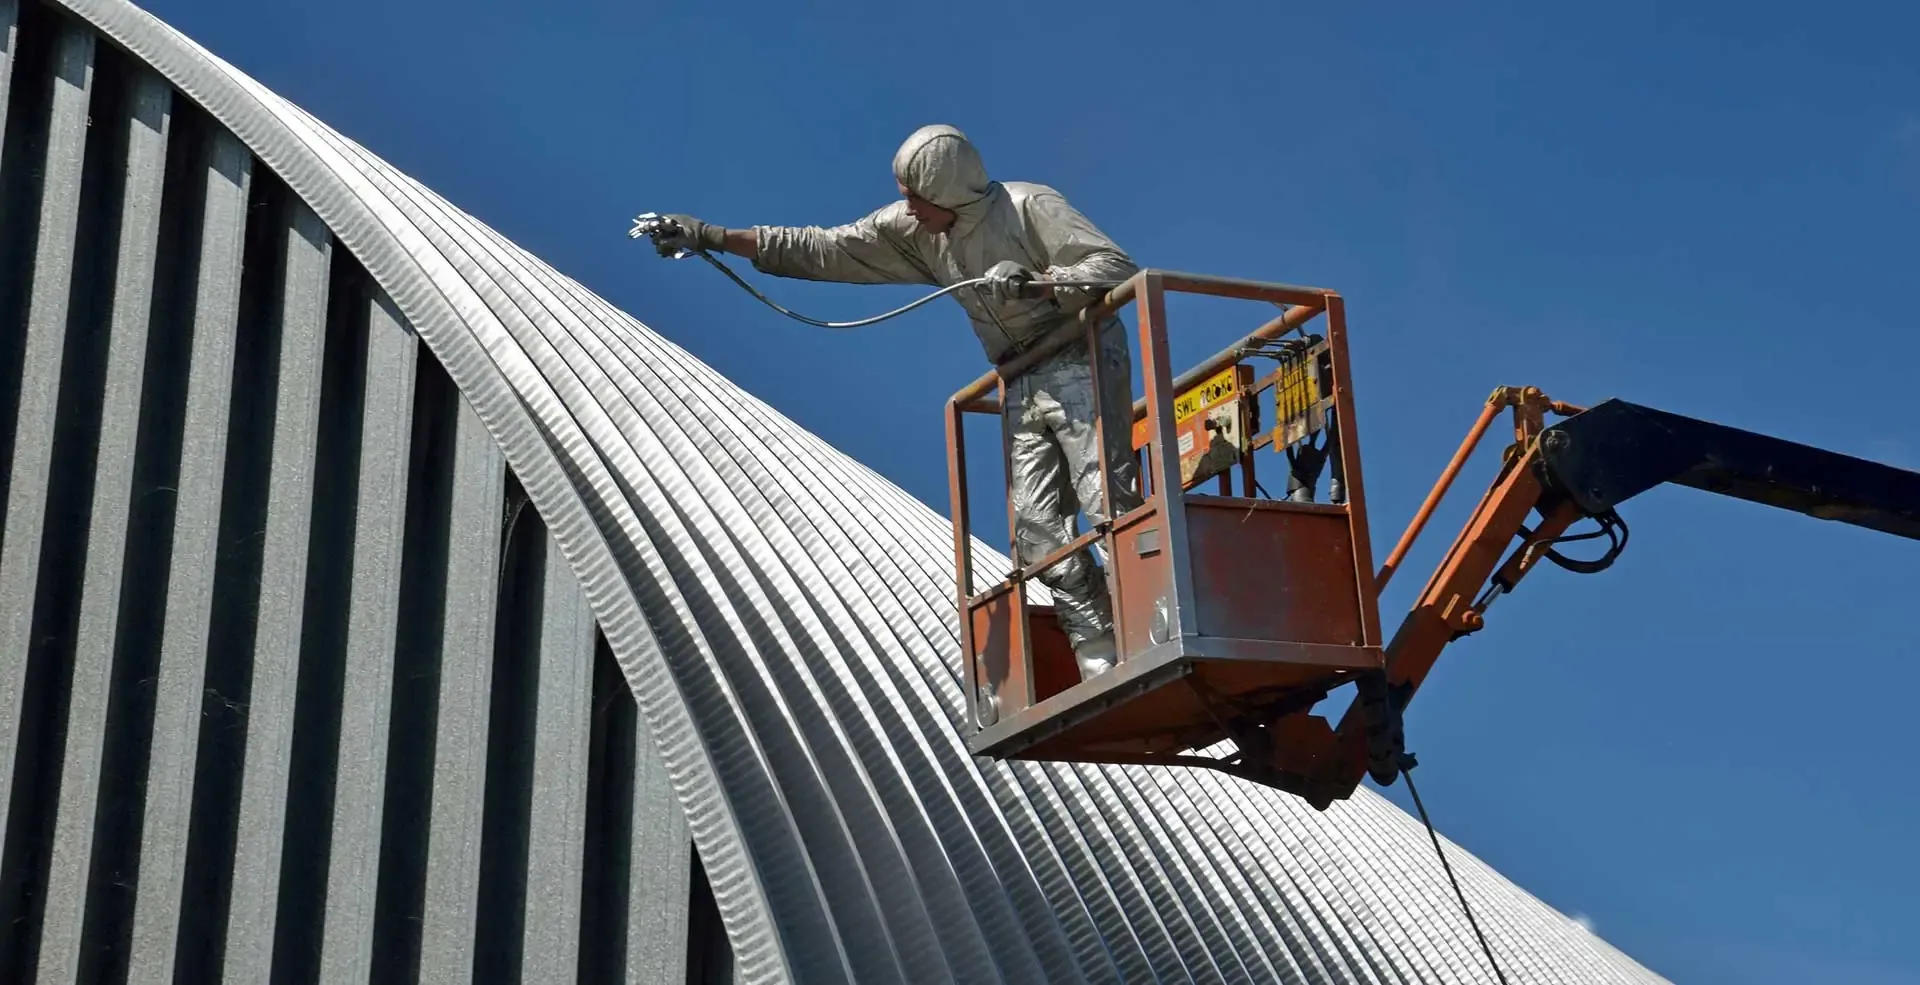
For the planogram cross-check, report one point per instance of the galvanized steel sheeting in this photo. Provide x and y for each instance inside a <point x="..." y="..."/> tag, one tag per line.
<point x="781" y="614"/>
<point x="250" y="539"/>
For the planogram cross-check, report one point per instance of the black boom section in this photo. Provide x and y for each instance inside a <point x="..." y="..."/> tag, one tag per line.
<point x="1617" y="450"/>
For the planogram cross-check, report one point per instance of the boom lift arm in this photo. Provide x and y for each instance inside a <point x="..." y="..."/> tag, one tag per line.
<point x="1236" y="615"/>
<point x="1582" y="468"/>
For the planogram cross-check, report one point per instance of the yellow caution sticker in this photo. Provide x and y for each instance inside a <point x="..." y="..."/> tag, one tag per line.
<point x="1300" y="396"/>
<point x="1217" y="389"/>
<point x="1296" y="391"/>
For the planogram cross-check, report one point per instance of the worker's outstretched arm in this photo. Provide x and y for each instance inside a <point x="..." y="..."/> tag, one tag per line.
<point x="875" y="249"/>
<point x="1075" y="249"/>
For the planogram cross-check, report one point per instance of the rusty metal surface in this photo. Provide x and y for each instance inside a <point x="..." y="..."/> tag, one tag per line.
<point x="1268" y="570"/>
<point x="1240" y="287"/>
<point x="1360" y="522"/>
<point x="1145" y="705"/>
<point x="1140" y="560"/>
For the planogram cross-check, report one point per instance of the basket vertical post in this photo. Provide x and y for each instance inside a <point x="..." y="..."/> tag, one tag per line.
<point x="1168" y="496"/>
<point x="963" y="553"/>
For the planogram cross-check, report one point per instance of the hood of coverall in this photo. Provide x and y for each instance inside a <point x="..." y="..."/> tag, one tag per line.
<point x="938" y="163"/>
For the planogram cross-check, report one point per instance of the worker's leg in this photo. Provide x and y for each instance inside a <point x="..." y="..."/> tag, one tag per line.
<point x="1116" y="407"/>
<point x="1044" y="521"/>
<point x="1057" y="467"/>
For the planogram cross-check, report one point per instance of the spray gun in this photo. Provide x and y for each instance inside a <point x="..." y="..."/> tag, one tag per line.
<point x="653" y="226"/>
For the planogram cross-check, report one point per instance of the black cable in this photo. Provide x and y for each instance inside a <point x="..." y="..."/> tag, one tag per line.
<point x="1457" y="891"/>
<point x="1612" y="527"/>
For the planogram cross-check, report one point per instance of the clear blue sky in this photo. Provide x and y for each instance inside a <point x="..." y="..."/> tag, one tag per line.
<point x="1713" y="210"/>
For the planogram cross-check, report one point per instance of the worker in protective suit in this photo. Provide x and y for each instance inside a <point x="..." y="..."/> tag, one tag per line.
<point x="954" y="224"/>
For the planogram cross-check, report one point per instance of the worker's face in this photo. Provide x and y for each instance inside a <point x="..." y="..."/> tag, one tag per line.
<point x="935" y="218"/>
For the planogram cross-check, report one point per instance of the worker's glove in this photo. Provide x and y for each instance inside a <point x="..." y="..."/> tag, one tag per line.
<point x="684" y="232"/>
<point x="1007" y="280"/>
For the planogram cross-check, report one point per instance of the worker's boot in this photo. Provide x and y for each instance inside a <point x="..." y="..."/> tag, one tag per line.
<point x="1096" y="656"/>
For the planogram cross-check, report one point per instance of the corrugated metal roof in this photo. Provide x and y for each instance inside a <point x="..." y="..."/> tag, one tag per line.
<point x="783" y="617"/>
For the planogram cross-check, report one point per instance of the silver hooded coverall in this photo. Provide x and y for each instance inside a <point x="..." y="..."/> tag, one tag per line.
<point x="1055" y="461"/>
